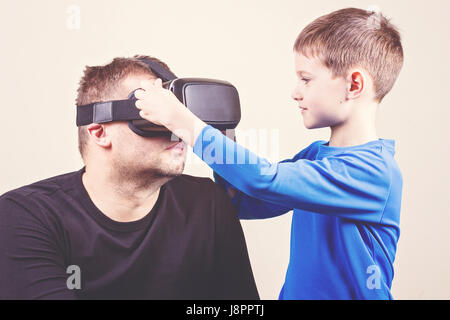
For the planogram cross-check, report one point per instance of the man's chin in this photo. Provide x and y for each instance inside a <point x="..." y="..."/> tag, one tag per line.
<point x="173" y="170"/>
<point x="172" y="173"/>
<point x="173" y="166"/>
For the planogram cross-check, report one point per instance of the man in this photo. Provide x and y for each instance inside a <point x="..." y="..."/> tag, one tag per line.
<point x="128" y="225"/>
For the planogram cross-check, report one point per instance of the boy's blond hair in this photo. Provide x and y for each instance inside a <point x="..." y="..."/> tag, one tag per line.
<point x="354" y="37"/>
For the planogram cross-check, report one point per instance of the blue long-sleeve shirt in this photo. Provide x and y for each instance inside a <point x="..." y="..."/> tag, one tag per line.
<point x="346" y="211"/>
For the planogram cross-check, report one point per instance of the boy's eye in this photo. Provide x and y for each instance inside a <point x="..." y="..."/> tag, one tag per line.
<point x="306" y="80"/>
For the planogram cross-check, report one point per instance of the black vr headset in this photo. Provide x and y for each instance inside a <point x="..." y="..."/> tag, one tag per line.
<point x="215" y="102"/>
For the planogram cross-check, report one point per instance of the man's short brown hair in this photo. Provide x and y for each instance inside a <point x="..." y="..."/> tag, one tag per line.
<point x="354" y="37"/>
<point x="102" y="83"/>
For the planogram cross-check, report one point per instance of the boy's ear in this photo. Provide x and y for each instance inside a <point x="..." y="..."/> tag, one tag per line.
<point x="356" y="84"/>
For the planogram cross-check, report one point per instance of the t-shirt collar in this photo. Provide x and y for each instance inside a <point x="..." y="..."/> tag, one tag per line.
<point x="325" y="149"/>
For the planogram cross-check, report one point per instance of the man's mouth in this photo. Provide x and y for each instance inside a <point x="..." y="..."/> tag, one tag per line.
<point x="176" y="145"/>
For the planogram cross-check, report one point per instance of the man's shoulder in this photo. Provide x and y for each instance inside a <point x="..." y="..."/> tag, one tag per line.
<point x="29" y="205"/>
<point x="197" y="188"/>
<point x="192" y="183"/>
<point x="203" y="196"/>
<point x="44" y="188"/>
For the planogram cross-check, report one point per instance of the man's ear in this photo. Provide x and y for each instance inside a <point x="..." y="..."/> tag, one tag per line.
<point x="356" y="83"/>
<point x="99" y="135"/>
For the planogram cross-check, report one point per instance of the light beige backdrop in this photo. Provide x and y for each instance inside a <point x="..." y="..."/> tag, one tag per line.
<point x="44" y="48"/>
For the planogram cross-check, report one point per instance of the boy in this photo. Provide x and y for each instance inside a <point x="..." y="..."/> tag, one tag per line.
<point x="345" y="193"/>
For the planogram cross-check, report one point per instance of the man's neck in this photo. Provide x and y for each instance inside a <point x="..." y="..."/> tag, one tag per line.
<point x="118" y="198"/>
<point x="358" y="129"/>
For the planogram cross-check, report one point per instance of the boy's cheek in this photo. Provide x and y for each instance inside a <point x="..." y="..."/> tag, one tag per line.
<point x="313" y="96"/>
<point x="328" y="95"/>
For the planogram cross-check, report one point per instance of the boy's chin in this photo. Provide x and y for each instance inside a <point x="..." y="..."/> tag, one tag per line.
<point x="313" y="125"/>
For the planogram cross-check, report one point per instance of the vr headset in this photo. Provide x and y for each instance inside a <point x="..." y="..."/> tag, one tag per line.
<point x="215" y="102"/>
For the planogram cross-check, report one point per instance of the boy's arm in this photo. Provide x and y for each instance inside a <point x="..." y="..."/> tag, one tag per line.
<point x="248" y="207"/>
<point x="341" y="186"/>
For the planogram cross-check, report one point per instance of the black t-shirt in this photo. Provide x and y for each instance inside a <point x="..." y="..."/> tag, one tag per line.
<point x="189" y="246"/>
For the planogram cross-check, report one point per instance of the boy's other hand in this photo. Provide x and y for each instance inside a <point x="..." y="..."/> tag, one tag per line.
<point x="231" y="192"/>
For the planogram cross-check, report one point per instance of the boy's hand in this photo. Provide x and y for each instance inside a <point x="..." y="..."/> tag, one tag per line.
<point x="162" y="107"/>
<point x="157" y="105"/>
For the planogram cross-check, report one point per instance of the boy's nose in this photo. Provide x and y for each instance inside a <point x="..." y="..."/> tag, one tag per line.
<point x="296" y="94"/>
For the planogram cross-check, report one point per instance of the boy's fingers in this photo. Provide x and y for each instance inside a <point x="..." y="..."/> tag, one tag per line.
<point x="142" y="114"/>
<point x="139" y="94"/>
<point x="138" y="104"/>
